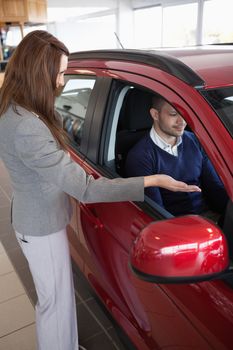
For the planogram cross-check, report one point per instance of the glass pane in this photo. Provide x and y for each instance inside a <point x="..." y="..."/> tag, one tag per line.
<point x="147" y="27"/>
<point x="179" y="25"/>
<point x="217" y="21"/>
<point x="72" y="105"/>
<point x="92" y="33"/>
<point x="221" y="100"/>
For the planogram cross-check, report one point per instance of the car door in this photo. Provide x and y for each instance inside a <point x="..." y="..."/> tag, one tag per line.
<point x="147" y="312"/>
<point x="102" y="235"/>
<point x="76" y="104"/>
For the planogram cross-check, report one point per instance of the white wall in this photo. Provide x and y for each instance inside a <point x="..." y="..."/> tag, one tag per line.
<point x="96" y="30"/>
<point x="90" y="33"/>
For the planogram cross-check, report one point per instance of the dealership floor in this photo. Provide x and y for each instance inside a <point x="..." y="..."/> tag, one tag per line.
<point x="18" y="296"/>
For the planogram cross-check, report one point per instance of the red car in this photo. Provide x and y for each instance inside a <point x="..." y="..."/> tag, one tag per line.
<point x="166" y="281"/>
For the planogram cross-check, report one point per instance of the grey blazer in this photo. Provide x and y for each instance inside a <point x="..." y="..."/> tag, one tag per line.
<point x="43" y="176"/>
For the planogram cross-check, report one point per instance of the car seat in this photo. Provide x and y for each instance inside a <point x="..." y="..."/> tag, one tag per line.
<point x="134" y="122"/>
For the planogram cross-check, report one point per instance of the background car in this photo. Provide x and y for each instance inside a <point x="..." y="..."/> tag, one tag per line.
<point x="165" y="281"/>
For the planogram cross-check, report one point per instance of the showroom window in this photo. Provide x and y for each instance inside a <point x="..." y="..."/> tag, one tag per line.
<point x="217" y="28"/>
<point x="183" y="23"/>
<point x="179" y="25"/>
<point x="72" y="105"/>
<point x="148" y="27"/>
<point x="149" y="24"/>
<point x="165" y="25"/>
<point x="92" y="33"/>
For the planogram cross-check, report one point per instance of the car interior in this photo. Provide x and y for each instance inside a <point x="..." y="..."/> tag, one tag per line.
<point x="131" y="120"/>
<point x="134" y="122"/>
<point x="72" y="105"/>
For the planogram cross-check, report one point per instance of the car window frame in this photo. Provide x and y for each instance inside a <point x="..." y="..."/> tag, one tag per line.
<point x="99" y="126"/>
<point x="81" y="149"/>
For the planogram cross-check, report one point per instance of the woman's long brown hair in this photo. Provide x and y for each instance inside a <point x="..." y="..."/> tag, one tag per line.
<point x="30" y="79"/>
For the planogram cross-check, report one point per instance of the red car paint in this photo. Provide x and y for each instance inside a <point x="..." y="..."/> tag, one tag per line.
<point x="105" y="237"/>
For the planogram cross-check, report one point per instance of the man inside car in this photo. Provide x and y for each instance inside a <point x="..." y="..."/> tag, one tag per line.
<point x="169" y="149"/>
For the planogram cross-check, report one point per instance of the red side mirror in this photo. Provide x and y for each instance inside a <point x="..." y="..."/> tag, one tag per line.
<point x="184" y="249"/>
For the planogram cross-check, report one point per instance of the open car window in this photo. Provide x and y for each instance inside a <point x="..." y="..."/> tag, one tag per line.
<point x="130" y="122"/>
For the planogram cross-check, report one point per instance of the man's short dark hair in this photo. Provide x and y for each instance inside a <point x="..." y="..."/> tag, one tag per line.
<point x="157" y="102"/>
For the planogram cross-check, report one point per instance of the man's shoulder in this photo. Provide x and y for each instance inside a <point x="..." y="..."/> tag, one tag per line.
<point x="189" y="136"/>
<point x="144" y="142"/>
<point x="191" y="145"/>
<point x="142" y="148"/>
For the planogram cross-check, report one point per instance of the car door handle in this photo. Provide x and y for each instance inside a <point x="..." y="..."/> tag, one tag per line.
<point x="90" y="212"/>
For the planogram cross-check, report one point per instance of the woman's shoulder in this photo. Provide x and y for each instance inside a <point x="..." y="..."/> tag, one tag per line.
<point x="18" y="122"/>
<point x="23" y="119"/>
<point x="13" y="117"/>
<point x="18" y="112"/>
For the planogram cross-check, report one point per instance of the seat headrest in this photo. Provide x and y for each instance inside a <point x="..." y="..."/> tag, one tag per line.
<point x="135" y="114"/>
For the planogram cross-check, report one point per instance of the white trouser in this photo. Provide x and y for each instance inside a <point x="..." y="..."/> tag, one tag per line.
<point x="49" y="261"/>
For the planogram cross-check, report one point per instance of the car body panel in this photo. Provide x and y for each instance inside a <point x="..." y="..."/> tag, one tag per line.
<point x="106" y="266"/>
<point x="208" y="305"/>
<point x="212" y="64"/>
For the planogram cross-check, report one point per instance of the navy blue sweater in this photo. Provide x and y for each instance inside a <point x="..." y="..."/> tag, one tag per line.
<point x="191" y="166"/>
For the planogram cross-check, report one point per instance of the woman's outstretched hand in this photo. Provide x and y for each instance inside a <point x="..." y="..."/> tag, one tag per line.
<point x="166" y="181"/>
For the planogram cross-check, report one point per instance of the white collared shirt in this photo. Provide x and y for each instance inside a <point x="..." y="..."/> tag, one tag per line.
<point x="173" y="150"/>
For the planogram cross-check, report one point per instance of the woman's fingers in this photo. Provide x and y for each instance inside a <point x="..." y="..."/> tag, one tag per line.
<point x="168" y="182"/>
<point x="171" y="184"/>
<point x="183" y="187"/>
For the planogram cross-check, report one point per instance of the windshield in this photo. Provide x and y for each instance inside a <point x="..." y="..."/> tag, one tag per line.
<point x="221" y="100"/>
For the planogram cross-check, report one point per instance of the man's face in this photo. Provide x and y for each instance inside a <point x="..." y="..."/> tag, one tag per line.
<point x="167" y="121"/>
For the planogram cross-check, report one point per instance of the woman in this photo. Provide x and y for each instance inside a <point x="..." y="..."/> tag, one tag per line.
<point x="33" y="147"/>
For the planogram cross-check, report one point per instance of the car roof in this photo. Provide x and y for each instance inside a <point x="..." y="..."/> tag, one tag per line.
<point x="213" y="63"/>
<point x="199" y="66"/>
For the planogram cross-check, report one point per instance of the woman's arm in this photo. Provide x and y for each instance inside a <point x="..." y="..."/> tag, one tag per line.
<point x="39" y="152"/>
